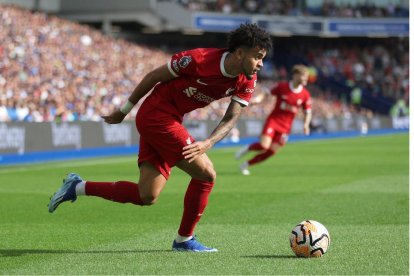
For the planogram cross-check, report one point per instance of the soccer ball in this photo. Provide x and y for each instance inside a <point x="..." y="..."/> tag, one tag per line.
<point x="309" y="239"/>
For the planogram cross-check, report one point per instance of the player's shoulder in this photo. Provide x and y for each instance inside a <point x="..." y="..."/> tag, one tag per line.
<point x="196" y="61"/>
<point x="283" y="84"/>
<point x="280" y="86"/>
<point x="306" y="92"/>
<point x="204" y="53"/>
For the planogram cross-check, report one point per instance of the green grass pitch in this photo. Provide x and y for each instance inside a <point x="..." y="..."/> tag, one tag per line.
<point x="357" y="187"/>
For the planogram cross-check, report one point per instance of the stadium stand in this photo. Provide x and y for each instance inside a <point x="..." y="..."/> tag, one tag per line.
<point x="82" y="79"/>
<point x="56" y="70"/>
<point x="303" y="8"/>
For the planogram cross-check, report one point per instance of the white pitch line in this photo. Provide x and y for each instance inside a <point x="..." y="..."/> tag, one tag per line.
<point x="63" y="164"/>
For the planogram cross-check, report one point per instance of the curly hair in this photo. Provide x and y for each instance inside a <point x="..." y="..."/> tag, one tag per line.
<point x="250" y="36"/>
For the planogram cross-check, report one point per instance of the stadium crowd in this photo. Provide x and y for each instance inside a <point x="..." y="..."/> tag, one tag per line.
<point x="56" y="70"/>
<point x="52" y="69"/>
<point x="328" y="8"/>
<point x="382" y="69"/>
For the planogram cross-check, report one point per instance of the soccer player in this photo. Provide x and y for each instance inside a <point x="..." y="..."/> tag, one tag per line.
<point x="290" y="96"/>
<point x="191" y="79"/>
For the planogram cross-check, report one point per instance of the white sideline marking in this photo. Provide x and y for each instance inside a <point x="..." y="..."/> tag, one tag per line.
<point x="63" y="164"/>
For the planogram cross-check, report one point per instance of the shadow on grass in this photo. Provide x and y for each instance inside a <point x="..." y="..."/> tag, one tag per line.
<point x="270" y="256"/>
<point x="20" y="252"/>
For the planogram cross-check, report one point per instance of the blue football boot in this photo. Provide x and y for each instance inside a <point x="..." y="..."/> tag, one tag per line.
<point x="66" y="192"/>
<point x="191" y="245"/>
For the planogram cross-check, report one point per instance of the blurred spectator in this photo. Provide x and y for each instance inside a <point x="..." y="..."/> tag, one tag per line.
<point x="400" y="115"/>
<point x="56" y="70"/>
<point x="382" y="69"/>
<point x="356" y="96"/>
<point x="328" y="8"/>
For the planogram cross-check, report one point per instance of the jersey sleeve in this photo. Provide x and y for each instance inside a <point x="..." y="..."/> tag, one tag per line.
<point x="184" y="63"/>
<point x="245" y="91"/>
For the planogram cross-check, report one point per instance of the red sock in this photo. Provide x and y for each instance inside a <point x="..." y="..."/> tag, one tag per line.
<point x="256" y="147"/>
<point x="120" y="191"/>
<point x="195" y="201"/>
<point x="261" y="157"/>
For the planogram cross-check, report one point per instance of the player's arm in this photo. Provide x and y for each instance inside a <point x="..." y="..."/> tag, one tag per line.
<point x="159" y="74"/>
<point x="191" y="152"/>
<point x="306" y="124"/>
<point x="307" y="109"/>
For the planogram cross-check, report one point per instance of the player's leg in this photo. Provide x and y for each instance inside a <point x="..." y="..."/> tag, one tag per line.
<point x="145" y="192"/>
<point x="279" y="140"/>
<point x="167" y="137"/>
<point x="263" y="144"/>
<point x="196" y="197"/>
<point x="151" y="183"/>
<point x="203" y="176"/>
<point x="265" y="140"/>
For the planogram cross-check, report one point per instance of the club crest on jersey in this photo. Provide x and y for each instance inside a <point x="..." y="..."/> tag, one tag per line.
<point x="184" y="61"/>
<point x="299" y="102"/>
<point x="175" y="66"/>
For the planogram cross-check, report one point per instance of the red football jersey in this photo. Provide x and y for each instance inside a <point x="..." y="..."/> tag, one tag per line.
<point x="200" y="78"/>
<point x="288" y="102"/>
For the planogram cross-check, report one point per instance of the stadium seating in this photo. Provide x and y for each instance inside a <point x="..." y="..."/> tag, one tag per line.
<point x="52" y="69"/>
<point x="303" y="8"/>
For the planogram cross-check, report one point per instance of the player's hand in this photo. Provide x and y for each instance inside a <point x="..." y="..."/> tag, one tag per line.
<point x="254" y="102"/>
<point x="258" y="99"/>
<point x="196" y="149"/>
<point x="306" y="130"/>
<point x="114" y="118"/>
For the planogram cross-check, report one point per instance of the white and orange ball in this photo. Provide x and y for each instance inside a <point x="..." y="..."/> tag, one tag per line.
<point x="309" y="239"/>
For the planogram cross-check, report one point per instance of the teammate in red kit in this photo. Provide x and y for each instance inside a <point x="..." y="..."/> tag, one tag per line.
<point x="290" y="96"/>
<point x="190" y="80"/>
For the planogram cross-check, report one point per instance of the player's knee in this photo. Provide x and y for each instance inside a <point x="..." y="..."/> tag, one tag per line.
<point x="149" y="199"/>
<point x="209" y="174"/>
<point x="265" y="146"/>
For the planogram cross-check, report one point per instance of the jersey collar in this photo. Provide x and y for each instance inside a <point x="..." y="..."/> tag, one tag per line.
<point x="223" y="71"/>
<point x="296" y="90"/>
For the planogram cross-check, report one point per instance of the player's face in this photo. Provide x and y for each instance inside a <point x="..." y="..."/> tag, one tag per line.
<point x="301" y="79"/>
<point x="252" y="61"/>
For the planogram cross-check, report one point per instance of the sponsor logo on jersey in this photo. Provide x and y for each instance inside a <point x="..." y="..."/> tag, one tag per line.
<point x="299" y="102"/>
<point x="249" y="90"/>
<point x="203" y="98"/>
<point x="200" y="82"/>
<point x="184" y="61"/>
<point x="190" y="91"/>
<point x="188" y="141"/>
